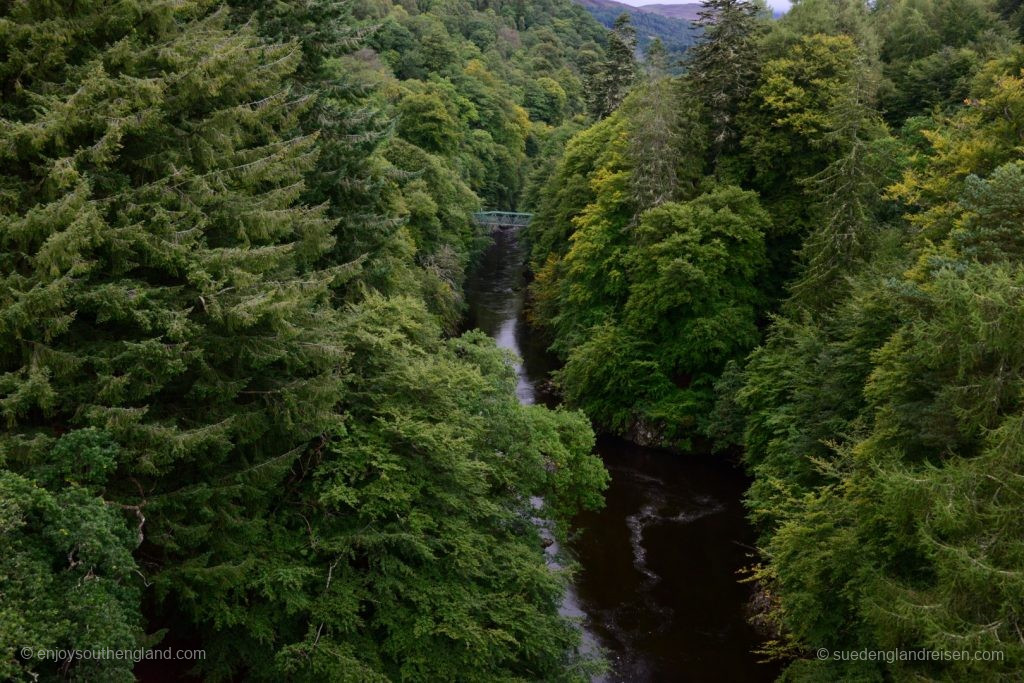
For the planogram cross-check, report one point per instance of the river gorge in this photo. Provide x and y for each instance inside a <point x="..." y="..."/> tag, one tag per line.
<point x="657" y="588"/>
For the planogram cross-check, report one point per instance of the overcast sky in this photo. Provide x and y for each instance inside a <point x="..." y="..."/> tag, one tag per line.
<point x="778" y="5"/>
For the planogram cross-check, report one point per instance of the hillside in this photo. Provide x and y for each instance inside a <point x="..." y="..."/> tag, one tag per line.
<point x="670" y="23"/>
<point x="806" y="250"/>
<point x="236" y="416"/>
<point x="686" y="11"/>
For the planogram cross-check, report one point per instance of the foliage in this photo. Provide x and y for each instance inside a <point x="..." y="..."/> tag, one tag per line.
<point x="675" y="35"/>
<point x="568" y="190"/>
<point x="417" y="528"/>
<point x="873" y="428"/>
<point x="232" y="241"/>
<point x="818" y="153"/>
<point x="723" y="66"/>
<point x="158" y="281"/>
<point x="67" y="573"/>
<point x="646" y="324"/>
<point x="931" y="49"/>
<point x="665" y="120"/>
<point x="858" y="336"/>
<point x="614" y="76"/>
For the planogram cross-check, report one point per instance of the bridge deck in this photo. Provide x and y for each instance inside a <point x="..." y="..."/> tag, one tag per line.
<point x="502" y="219"/>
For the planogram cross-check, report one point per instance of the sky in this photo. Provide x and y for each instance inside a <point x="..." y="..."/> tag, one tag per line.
<point x="777" y="5"/>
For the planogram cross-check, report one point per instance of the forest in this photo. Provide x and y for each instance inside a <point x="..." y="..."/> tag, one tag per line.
<point x="242" y="412"/>
<point x="237" y="415"/>
<point x="674" y="34"/>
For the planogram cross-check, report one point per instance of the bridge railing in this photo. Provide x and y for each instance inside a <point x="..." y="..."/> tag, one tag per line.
<point x="502" y="219"/>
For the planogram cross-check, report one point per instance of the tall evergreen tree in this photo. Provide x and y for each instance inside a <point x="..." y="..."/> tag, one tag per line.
<point x="617" y="72"/>
<point x="348" y="124"/>
<point x="158" y="283"/>
<point x="666" y="144"/>
<point x="722" y="68"/>
<point x="846" y="193"/>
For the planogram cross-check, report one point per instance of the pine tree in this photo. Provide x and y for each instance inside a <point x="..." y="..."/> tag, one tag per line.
<point x="722" y="68"/>
<point x="349" y="125"/>
<point x="617" y="72"/>
<point x="157" y="283"/>
<point x="656" y="60"/>
<point x="666" y="144"/>
<point x="846" y="192"/>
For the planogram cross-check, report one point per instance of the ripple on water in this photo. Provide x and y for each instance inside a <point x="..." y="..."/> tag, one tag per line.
<point x="657" y="591"/>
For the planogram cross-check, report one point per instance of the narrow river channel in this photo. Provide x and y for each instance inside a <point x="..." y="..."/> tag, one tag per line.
<point x="657" y="588"/>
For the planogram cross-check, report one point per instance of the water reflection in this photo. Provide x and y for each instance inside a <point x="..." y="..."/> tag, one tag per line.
<point x="657" y="588"/>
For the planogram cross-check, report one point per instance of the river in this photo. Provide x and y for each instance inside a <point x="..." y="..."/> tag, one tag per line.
<point x="657" y="588"/>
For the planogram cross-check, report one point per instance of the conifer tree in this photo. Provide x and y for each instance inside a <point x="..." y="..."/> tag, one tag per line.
<point x="617" y="72"/>
<point x="349" y="126"/>
<point x="667" y="142"/>
<point x="656" y="60"/>
<point x="846" y="192"/>
<point x="723" y="67"/>
<point x="157" y="283"/>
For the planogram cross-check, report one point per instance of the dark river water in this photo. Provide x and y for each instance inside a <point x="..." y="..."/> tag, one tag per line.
<point x="657" y="589"/>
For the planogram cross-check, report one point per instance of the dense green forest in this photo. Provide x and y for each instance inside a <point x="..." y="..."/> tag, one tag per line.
<point x="232" y="242"/>
<point x="676" y="35"/>
<point x="808" y="247"/>
<point x="241" y="413"/>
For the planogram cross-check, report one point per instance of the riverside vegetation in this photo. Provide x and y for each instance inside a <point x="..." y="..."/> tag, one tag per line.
<point x="809" y="247"/>
<point x="238" y="412"/>
<point x="235" y="418"/>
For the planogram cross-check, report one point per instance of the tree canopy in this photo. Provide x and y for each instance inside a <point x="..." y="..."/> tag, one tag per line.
<point x="241" y="414"/>
<point x="236" y="412"/>
<point x="826" y="280"/>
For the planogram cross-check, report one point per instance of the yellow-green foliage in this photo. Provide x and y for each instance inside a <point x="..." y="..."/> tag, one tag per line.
<point x="880" y="404"/>
<point x="885" y="435"/>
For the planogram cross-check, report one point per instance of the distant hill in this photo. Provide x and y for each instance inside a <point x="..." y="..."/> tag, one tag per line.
<point x="671" y="23"/>
<point x="687" y="11"/>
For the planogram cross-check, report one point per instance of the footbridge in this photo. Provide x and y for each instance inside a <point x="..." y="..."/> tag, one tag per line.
<point x="502" y="219"/>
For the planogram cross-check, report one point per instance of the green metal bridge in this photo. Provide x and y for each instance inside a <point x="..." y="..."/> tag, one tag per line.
<point x="502" y="219"/>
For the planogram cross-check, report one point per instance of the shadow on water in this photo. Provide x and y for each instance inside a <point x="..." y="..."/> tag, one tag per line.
<point x="657" y="586"/>
<point x="658" y="580"/>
